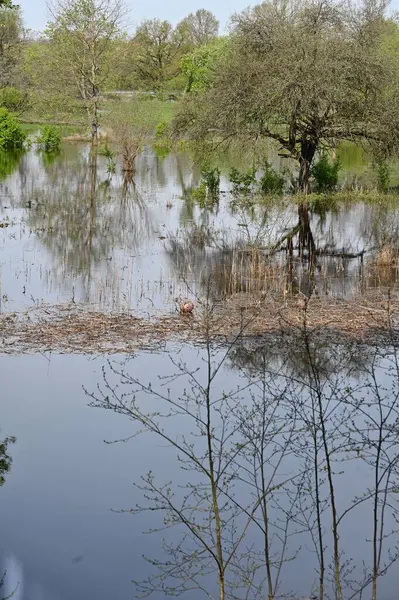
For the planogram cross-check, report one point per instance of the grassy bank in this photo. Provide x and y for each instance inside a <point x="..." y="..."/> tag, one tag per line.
<point x="75" y="123"/>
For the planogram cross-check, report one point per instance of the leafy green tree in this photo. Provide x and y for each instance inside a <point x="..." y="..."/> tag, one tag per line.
<point x="307" y="74"/>
<point x="201" y="27"/>
<point x="199" y="66"/>
<point x="80" y="38"/>
<point x="159" y="49"/>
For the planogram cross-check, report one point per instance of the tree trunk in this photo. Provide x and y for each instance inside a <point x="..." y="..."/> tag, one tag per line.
<point x="308" y="149"/>
<point x="94" y="125"/>
<point x="305" y="236"/>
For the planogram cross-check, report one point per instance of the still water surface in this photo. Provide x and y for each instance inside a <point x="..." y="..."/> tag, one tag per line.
<point x="138" y="248"/>
<point x="114" y="246"/>
<point x="60" y="536"/>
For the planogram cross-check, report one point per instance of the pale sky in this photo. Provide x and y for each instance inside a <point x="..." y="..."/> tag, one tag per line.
<point x="35" y="12"/>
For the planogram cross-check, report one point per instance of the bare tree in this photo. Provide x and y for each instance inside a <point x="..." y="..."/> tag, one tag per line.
<point x="261" y="462"/>
<point x="206" y="506"/>
<point x="81" y="35"/>
<point x="202" y="27"/>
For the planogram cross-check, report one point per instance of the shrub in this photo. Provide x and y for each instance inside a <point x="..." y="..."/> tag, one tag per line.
<point x="243" y="183"/>
<point x="325" y="173"/>
<point x="271" y="182"/>
<point x="134" y="124"/>
<point x="50" y="138"/>
<point x="11" y="134"/>
<point x="199" y="194"/>
<point x="110" y="157"/>
<point x="161" y="130"/>
<point x="13" y="99"/>
<point x="247" y="183"/>
<point x="208" y="190"/>
<point x="211" y="179"/>
<point x="162" y="144"/>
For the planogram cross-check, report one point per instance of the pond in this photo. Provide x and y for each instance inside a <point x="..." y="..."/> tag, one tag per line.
<point x="129" y="246"/>
<point x="91" y="424"/>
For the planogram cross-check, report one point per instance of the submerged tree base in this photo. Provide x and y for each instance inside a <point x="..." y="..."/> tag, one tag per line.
<point x="78" y="329"/>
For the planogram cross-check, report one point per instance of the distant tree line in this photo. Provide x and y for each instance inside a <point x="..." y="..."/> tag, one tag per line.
<point x="307" y="74"/>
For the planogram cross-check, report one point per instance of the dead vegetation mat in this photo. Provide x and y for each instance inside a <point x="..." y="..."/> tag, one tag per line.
<point x="79" y="329"/>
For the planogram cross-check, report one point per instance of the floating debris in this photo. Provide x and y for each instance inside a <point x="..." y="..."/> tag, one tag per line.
<point x="78" y="329"/>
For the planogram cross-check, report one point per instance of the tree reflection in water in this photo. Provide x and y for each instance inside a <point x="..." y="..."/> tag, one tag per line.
<point x="85" y="220"/>
<point x="5" y="466"/>
<point x="272" y="251"/>
<point x="93" y="230"/>
<point x="272" y="470"/>
<point x="5" y="458"/>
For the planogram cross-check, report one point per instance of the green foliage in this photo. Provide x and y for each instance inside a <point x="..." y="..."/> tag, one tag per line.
<point x="109" y="155"/>
<point x="137" y="123"/>
<point x="79" y="29"/>
<point x="8" y="4"/>
<point x="162" y="144"/>
<point x="111" y="168"/>
<point x="199" y="194"/>
<point x="200" y="66"/>
<point x="325" y="173"/>
<point x="50" y="139"/>
<point x="243" y="183"/>
<point x="247" y="183"/>
<point x="322" y="206"/>
<point x="302" y="79"/>
<point x="383" y="176"/>
<point x="158" y="51"/>
<point x="211" y="178"/>
<point x="143" y="117"/>
<point x="161" y="130"/>
<point x="13" y="99"/>
<point x="271" y="182"/>
<point x="11" y="34"/>
<point x="11" y="134"/>
<point x="208" y="190"/>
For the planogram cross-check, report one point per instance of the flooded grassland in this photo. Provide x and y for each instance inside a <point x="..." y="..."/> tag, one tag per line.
<point x="248" y="446"/>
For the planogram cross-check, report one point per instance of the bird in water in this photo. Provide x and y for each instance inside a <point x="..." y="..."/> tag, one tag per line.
<point x="186" y="307"/>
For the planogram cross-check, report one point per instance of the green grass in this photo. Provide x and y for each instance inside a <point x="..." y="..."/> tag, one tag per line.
<point x="66" y="130"/>
<point x="30" y="127"/>
<point x="324" y="201"/>
<point x="161" y="110"/>
<point x="366" y="196"/>
<point x="164" y="109"/>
